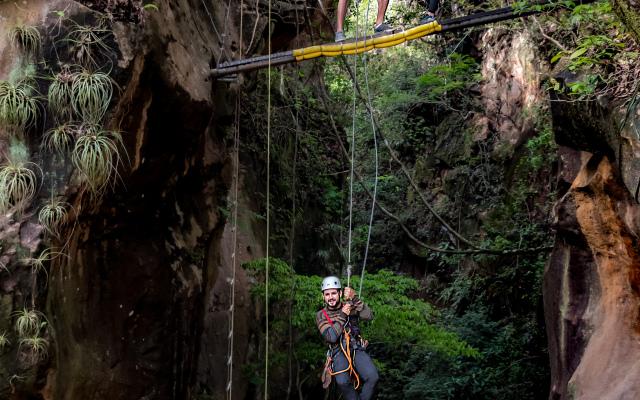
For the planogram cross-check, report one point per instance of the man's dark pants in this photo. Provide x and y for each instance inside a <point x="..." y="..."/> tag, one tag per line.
<point x="366" y="370"/>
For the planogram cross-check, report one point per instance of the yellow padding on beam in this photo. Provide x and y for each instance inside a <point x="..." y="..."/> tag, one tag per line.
<point x="333" y="50"/>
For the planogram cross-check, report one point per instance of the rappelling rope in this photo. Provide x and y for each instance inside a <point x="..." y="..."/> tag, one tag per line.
<point x="266" y="276"/>
<point x="375" y="142"/>
<point x="222" y="49"/>
<point x="236" y="173"/>
<point x="353" y="146"/>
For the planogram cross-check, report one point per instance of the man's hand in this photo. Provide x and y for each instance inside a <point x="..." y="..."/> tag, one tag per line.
<point x="349" y="293"/>
<point x="346" y="309"/>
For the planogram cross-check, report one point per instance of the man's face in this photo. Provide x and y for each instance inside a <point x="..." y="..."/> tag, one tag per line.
<point x="331" y="296"/>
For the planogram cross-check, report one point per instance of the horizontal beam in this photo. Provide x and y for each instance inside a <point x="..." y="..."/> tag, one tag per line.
<point x="483" y="18"/>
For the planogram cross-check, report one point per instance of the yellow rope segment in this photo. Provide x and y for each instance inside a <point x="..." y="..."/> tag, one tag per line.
<point x="333" y="50"/>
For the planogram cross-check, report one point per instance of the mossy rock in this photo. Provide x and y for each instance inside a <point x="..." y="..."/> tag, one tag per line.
<point x="454" y="141"/>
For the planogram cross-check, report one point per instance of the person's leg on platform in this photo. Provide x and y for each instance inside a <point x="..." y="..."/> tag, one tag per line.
<point x="368" y="374"/>
<point x="342" y="14"/>
<point x="380" y="25"/>
<point x="430" y="15"/>
<point x="382" y="9"/>
<point x="341" y="363"/>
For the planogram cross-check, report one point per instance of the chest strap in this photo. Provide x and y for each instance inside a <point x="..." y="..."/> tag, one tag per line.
<point x="326" y="315"/>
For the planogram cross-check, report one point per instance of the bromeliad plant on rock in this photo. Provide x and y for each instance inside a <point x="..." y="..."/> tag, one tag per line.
<point x="97" y="158"/>
<point x="18" y="185"/>
<point x="59" y="140"/>
<point x="19" y="106"/>
<point x="53" y="217"/>
<point x="91" y="94"/>
<point x="37" y="346"/>
<point x="87" y="42"/>
<point x="60" y="97"/>
<point x="28" y="322"/>
<point x="26" y="37"/>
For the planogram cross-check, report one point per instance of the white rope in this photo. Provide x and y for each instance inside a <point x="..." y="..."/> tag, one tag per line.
<point x="223" y="50"/>
<point x="375" y="142"/>
<point x="236" y="173"/>
<point x="353" y="145"/>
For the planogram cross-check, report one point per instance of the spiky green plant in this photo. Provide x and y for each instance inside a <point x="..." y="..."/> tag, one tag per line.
<point x="28" y="322"/>
<point x="91" y="95"/>
<point x="18" y="185"/>
<point x="58" y="140"/>
<point x="38" y="346"/>
<point x="37" y="263"/>
<point x="59" y="97"/>
<point x="97" y="158"/>
<point x="19" y="106"/>
<point x="4" y="341"/>
<point x="86" y="43"/>
<point x="53" y="217"/>
<point x="26" y="37"/>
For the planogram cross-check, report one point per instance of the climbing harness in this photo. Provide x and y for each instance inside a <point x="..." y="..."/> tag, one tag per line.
<point x="347" y="350"/>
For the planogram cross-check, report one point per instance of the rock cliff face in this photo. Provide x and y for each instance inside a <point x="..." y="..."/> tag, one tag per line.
<point x="138" y="304"/>
<point x="591" y="283"/>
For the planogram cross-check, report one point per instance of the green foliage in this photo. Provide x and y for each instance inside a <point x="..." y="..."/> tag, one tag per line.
<point x="87" y="43"/>
<point x="19" y="107"/>
<point x="28" y="323"/>
<point x="37" y="346"/>
<point x="542" y="148"/>
<point x="18" y="185"/>
<point x="26" y="37"/>
<point x="91" y="95"/>
<point x="450" y="78"/>
<point x="58" y="140"/>
<point x="97" y="157"/>
<point x="53" y="217"/>
<point x="4" y="341"/>
<point x="400" y="318"/>
<point x="60" y="97"/>
<point x="37" y="264"/>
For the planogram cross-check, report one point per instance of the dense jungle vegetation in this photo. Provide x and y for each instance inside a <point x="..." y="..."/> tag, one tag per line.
<point x="448" y="325"/>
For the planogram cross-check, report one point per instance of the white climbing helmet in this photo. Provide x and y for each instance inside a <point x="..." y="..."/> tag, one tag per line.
<point x="331" y="282"/>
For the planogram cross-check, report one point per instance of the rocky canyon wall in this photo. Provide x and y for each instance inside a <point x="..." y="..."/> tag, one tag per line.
<point x="591" y="282"/>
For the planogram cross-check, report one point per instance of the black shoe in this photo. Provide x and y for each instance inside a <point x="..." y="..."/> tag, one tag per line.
<point x="383" y="27"/>
<point x="427" y="18"/>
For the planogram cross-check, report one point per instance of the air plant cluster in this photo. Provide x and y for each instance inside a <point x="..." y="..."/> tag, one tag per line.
<point x="53" y="217"/>
<point x="90" y="95"/>
<point x="19" y="106"/>
<point x="37" y="263"/>
<point x="28" y="326"/>
<point x="59" y="97"/>
<point x="18" y="185"/>
<point x="87" y="42"/>
<point x="26" y="37"/>
<point x="4" y="341"/>
<point x="97" y="158"/>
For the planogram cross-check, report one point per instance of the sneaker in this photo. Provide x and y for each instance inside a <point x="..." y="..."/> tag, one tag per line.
<point x="383" y="27"/>
<point x="427" y="18"/>
<point x="340" y="36"/>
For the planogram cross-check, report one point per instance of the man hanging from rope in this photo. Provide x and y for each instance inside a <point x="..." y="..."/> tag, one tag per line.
<point x="339" y="324"/>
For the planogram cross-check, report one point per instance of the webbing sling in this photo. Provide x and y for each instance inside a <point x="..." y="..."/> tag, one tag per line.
<point x="347" y="354"/>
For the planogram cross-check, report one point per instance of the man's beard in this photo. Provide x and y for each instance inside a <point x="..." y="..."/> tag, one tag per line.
<point x="335" y="307"/>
